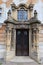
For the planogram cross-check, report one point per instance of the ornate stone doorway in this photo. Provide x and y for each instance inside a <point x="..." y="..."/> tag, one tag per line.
<point x="22" y="42"/>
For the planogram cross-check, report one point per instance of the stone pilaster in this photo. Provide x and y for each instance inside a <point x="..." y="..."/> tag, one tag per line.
<point x="31" y="10"/>
<point x="37" y="46"/>
<point x="8" y="39"/>
<point x="30" y="42"/>
<point x="14" y="42"/>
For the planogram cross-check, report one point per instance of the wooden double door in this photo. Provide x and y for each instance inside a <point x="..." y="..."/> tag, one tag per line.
<point x="22" y="42"/>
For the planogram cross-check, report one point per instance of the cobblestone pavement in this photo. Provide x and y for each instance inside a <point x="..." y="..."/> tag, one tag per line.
<point x="21" y="63"/>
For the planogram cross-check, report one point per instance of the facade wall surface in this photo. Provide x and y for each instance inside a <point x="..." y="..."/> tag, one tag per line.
<point x="2" y="41"/>
<point x="35" y="46"/>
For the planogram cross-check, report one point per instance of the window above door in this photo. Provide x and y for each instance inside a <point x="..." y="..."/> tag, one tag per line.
<point x="22" y="15"/>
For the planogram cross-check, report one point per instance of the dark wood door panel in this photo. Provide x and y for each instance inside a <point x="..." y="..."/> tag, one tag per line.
<point x="22" y="42"/>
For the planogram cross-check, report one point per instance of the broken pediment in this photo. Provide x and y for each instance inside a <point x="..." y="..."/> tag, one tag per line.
<point x="13" y="6"/>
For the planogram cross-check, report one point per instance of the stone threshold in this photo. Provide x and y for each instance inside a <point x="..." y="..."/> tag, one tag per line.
<point x="22" y="59"/>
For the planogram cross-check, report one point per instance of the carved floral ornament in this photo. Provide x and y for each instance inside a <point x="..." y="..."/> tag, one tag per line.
<point x="35" y="30"/>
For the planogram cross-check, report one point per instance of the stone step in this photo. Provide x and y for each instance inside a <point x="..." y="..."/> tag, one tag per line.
<point x="22" y="59"/>
<point x="21" y="63"/>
